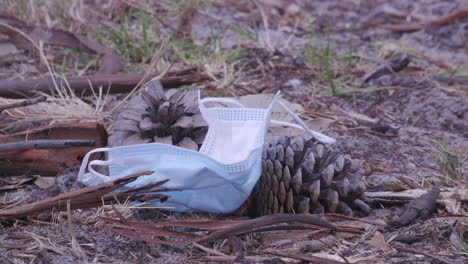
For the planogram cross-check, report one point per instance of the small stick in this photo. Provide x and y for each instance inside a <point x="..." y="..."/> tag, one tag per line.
<point x="6" y="258"/>
<point x="119" y="215"/>
<point x="451" y="80"/>
<point x="209" y="250"/>
<point x="23" y="103"/>
<point x="337" y="217"/>
<point x="308" y="258"/>
<point x="264" y="221"/>
<point x="410" y="182"/>
<point x="421" y="253"/>
<point x="330" y="247"/>
<point x="230" y="258"/>
<point x="46" y="144"/>
<point x="440" y="21"/>
<point x="76" y="249"/>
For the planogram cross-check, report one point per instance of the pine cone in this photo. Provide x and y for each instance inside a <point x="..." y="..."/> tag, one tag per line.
<point x="170" y="117"/>
<point x="305" y="177"/>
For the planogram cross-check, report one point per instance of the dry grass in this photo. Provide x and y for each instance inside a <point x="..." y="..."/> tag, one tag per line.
<point x="9" y="201"/>
<point x="51" y="13"/>
<point x="124" y="210"/>
<point x="453" y="163"/>
<point x="64" y="106"/>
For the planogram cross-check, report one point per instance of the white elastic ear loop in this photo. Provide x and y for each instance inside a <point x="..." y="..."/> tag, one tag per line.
<point x="99" y="163"/>
<point x="84" y="164"/>
<point x="319" y="136"/>
<point x="222" y="100"/>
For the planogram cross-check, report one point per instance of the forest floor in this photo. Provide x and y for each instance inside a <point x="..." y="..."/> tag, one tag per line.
<point x="408" y="123"/>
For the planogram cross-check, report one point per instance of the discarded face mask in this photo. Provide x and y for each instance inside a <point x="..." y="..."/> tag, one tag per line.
<point x="219" y="177"/>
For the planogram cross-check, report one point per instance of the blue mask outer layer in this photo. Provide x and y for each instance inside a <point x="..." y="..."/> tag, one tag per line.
<point x="206" y="184"/>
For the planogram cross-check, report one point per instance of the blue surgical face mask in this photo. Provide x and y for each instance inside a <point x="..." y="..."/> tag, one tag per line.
<point x="218" y="178"/>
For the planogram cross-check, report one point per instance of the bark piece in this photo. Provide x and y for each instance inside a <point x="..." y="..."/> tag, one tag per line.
<point x="49" y="162"/>
<point x="46" y="144"/>
<point x="420" y="208"/>
<point x="393" y="65"/>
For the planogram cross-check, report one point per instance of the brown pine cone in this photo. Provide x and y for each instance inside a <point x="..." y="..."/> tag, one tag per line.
<point x="300" y="176"/>
<point x="170" y="117"/>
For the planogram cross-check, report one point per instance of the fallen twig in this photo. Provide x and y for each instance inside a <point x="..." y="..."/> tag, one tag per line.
<point x="6" y="258"/>
<point x="339" y="217"/>
<point x="308" y="258"/>
<point x="24" y="103"/>
<point x="15" y="185"/>
<point x="231" y="259"/>
<point x="451" y="198"/>
<point x="92" y="196"/>
<point x="409" y="182"/>
<point x="440" y="21"/>
<point x="209" y="250"/>
<point x="251" y="225"/>
<point x="451" y="80"/>
<point x="149" y="232"/>
<point x="115" y="83"/>
<point x="370" y="131"/>
<point x="421" y="253"/>
<point x="369" y="125"/>
<point x="46" y="144"/>
<point x="337" y="252"/>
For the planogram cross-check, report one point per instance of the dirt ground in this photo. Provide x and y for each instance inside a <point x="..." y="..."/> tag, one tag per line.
<point x="403" y="124"/>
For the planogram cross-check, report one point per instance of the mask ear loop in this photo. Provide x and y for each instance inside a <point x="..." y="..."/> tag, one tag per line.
<point x="319" y="136"/>
<point x="221" y="100"/>
<point x="201" y="102"/>
<point x="99" y="163"/>
<point x="85" y="164"/>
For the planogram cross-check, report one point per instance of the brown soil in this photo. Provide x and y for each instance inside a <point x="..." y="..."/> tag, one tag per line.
<point x="412" y="111"/>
